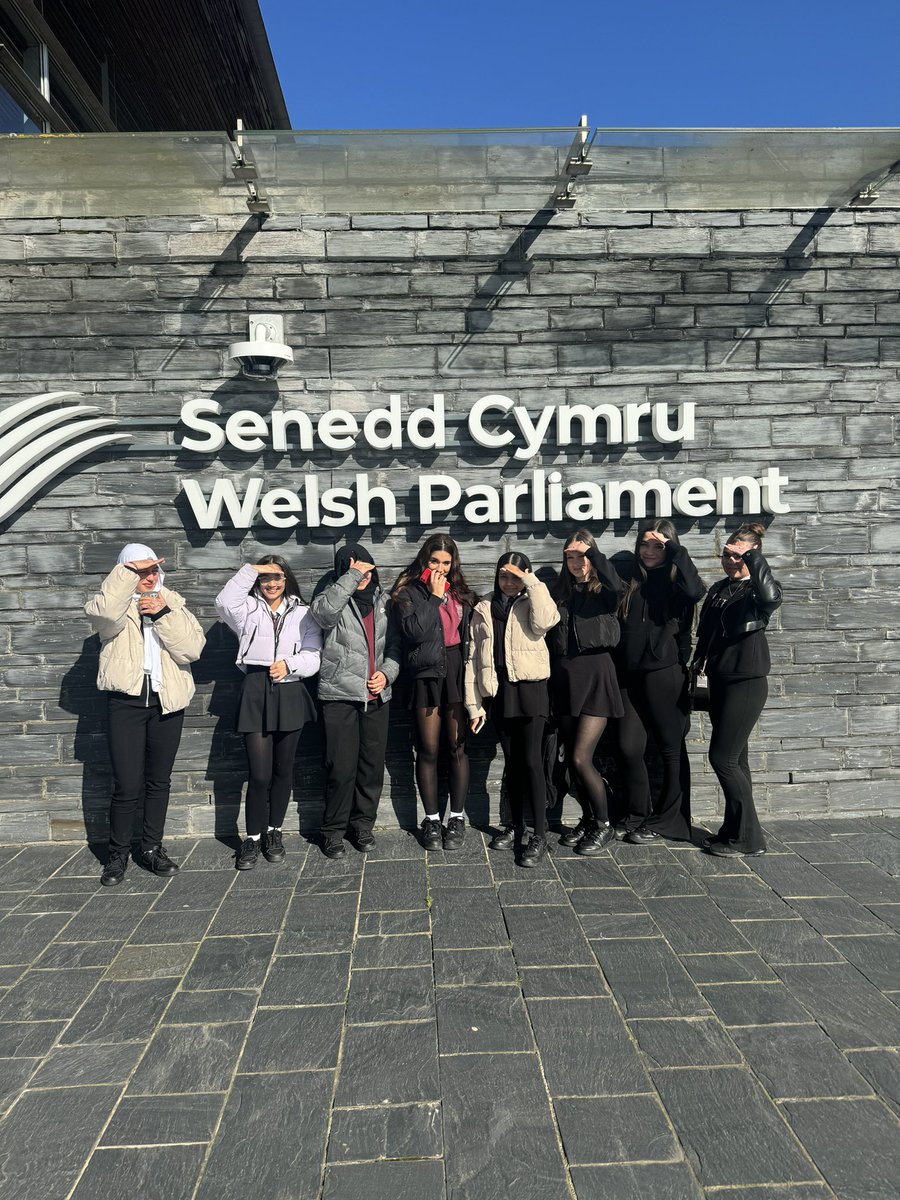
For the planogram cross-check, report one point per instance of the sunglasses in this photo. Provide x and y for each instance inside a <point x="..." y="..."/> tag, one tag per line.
<point x="270" y="578"/>
<point x="732" y="557"/>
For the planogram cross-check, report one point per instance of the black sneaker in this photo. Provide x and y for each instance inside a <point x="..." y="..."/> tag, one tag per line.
<point x="596" y="838"/>
<point x="363" y="842"/>
<point x="333" y="847"/>
<point x="642" y="836"/>
<point x="455" y="833"/>
<point x="157" y="861"/>
<point x="571" y="837"/>
<point x="273" y="846"/>
<point x="534" y="851"/>
<point x="505" y="840"/>
<point x="248" y="854"/>
<point x="432" y="834"/>
<point x="114" y="871"/>
<point x="726" y="850"/>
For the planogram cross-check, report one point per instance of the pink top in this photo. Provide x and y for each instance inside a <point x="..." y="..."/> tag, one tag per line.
<point x="451" y="615"/>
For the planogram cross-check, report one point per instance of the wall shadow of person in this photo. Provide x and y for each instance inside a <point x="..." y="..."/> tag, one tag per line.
<point x="78" y="695"/>
<point x="217" y="677"/>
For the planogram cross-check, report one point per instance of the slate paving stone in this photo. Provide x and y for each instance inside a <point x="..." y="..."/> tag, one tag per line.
<point x="648" y="980"/>
<point x="884" y="852"/>
<point x="499" y="1133"/>
<point x="23" y="936"/>
<point x="28" y="1039"/>
<point x="60" y="955"/>
<point x="14" y="1074"/>
<point x="695" y="924"/>
<point x="33" y="904"/>
<point x="224" y="962"/>
<point x="466" y="919"/>
<point x="585" y="1048"/>
<point x="11" y="975"/>
<point x="265" y="877"/>
<point x="195" y="889"/>
<point x="728" y="968"/>
<point x="839" y="916"/>
<point x="746" y="897"/>
<point x="393" y="844"/>
<point x="482" y="1020"/>
<point x="289" y="1111"/>
<point x="706" y="1107"/>
<point x="703" y="866"/>
<point x="829" y="850"/>
<point x="547" y="936"/>
<point x="319" y="924"/>
<point x="261" y="912"/>
<point x="625" y="853"/>
<point x="615" y="1129"/>
<point x="576" y="871"/>
<point x="293" y="1039"/>
<point x="505" y="868"/>
<point x="404" y="921"/>
<point x="388" y="1064"/>
<point x="639" y="1181"/>
<point x="878" y="958"/>
<point x="44" y="1164"/>
<point x="120" y="1012"/>
<point x="152" y="962"/>
<point x="398" y="1180"/>
<point x="473" y="850"/>
<point x="882" y="1069"/>
<point x="88" y="1064"/>
<point x="565" y="982"/>
<point x="49" y="995"/>
<point x="605" y="901"/>
<point x="206" y="1008"/>
<point x="791" y="876"/>
<point x="160" y="928"/>
<point x="798" y="1060"/>
<point x="863" y="881"/>
<point x="209" y="854"/>
<point x="317" y="866"/>
<point x="787" y="941"/>
<point x="121" y="1174"/>
<point x="392" y="885"/>
<point x="797" y="831"/>
<point x="107" y="917"/>
<point x="851" y="1010"/>
<point x="33" y="864"/>
<point x="862" y="1164"/>
<point x="533" y="891"/>
<point x="391" y="994"/>
<point x="618" y="925"/>
<point x="662" y="880"/>
<point x="393" y="950"/>
<point x="463" y="968"/>
<point x="307" y="979"/>
<point x="192" y="1058"/>
<point x="388" y="1131"/>
<point x="684" y="1042"/>
<point x="755" y="1004"/>
<point x="157" y="1120"/>
<point x="889" y="914"/>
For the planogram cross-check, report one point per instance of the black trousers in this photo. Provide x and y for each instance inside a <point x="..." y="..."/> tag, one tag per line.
<point x="734" y="709"/>
<point x="355" y="743"/>
<point x="521" y="740"/>
<point x="656" y="704"/>
<point x="143" y="742"/>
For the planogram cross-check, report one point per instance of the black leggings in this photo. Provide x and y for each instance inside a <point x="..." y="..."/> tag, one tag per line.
<point x="655" y="703"/>
<point x="734" y="709"/>
<point x="580" y="736"/>
<point x="430" y="722"/>
<point x="521" y="740"/>
<point x="271" y="760"/>
<point x="143" y="742"/>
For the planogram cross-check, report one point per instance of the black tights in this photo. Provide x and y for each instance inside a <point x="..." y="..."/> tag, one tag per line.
<point x="521" y="740"/>
<point x="271" y="760"/>
<point x="430" y="722"/>
<point x="580" y="736"/>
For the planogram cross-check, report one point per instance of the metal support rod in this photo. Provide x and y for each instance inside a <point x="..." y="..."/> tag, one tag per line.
<point x="576" y="163"/>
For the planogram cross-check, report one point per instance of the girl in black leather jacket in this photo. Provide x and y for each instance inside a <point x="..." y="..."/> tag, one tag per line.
<point x="583" y="683"/>
<point x="732" y="647"/>
<point x="434" y="608"/>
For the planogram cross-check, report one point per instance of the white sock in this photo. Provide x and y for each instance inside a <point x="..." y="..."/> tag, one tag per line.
<point x="433" y="817"/>
<point x="461" y="815"/>
<point x="254" y="837"/>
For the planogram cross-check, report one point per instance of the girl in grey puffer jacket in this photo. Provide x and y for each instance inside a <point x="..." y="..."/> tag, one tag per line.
<point x="360" y="661"/>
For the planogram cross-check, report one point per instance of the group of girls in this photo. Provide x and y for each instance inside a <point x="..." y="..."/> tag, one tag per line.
<point x="598" y="649"/>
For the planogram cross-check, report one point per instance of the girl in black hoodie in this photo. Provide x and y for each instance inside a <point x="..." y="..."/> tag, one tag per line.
<point x="656" y="614"/>
<point x="732" y="646"/>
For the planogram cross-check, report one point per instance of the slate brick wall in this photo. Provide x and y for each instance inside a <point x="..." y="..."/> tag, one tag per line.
<point x="783" y="328"/>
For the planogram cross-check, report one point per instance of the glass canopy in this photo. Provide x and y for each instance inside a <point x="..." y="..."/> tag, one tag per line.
<point x="406" y="171"/>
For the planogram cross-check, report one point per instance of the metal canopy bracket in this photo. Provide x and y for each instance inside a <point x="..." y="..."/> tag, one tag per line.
<point x="244" y="170"/>
<point x="576" y="164"/>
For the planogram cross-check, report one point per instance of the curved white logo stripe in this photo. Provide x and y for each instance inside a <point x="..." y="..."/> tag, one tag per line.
<point x="24" y="451"/>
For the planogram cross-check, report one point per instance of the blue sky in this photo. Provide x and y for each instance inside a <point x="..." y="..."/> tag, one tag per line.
<point x="434" y="64"/>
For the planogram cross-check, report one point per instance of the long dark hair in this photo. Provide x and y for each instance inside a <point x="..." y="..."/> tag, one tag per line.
<point x="638" y="570"/>
<point x="291" y="586"/>
<point x="565" y="583"/>
<point x="522" y="561"/>
<point x="455" y="578"/>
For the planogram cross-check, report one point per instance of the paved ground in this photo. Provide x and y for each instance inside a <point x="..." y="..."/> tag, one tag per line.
<point x="654" y="1023"/>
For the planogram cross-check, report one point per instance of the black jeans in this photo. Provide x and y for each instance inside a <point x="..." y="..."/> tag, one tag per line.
<point x="521" y="740"/>
<point x="656" y="704"/>
<point x="355" y="742"/>
<point x="734" y="709"/>
<point x="143" y="742"/>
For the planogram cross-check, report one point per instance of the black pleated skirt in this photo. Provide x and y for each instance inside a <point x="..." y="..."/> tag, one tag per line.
<point x="272" y="708"/>
<point x="438" y="693"/>
<point x="586" y="686"/>
<point x="530" y="698"/>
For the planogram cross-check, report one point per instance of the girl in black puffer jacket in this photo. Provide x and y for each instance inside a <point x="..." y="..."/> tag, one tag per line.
<point x="732" y="646"/>
<point x="434" y="608"/>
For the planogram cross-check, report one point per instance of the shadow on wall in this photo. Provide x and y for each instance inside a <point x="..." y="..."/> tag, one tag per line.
<point x="78" y="695"/>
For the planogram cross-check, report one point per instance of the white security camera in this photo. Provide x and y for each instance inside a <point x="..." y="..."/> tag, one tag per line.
<point x="265" y="353"/>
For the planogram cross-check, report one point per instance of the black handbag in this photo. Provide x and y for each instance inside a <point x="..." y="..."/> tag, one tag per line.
<point x="698" y="688"/>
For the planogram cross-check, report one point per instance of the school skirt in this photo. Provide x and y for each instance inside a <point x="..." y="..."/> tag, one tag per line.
<point x="267" y="707"/>
<point x="438" y="693"/>
<point x="586" y="686"/>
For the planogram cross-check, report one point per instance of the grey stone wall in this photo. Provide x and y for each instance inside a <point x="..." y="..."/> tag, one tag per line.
<point x="783" y="328"/>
